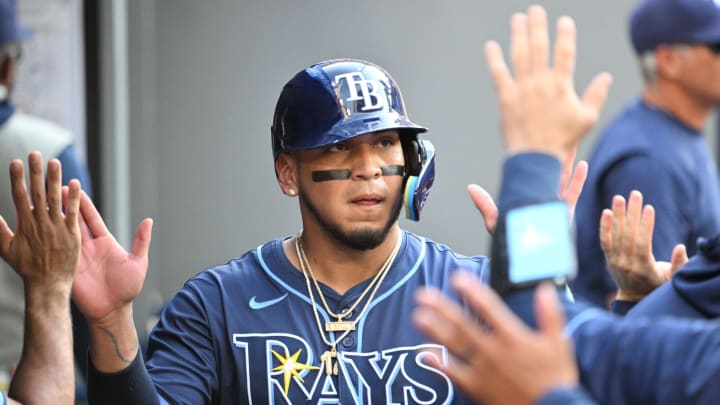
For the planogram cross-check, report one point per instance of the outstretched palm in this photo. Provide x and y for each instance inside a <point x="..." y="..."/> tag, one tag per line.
<point x="108" y="277"/>
<point x="540" y="110"/>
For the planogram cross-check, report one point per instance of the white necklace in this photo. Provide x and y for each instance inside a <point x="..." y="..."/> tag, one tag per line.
<point x="345" y="326"/>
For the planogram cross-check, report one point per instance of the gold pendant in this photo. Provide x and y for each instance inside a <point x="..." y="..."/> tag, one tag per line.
<point x="327" y="359"/>
<point x="339" y="326"/>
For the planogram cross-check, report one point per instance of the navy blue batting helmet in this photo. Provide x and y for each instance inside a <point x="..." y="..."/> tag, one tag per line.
<point x="336" y="100"/>
<point x="339" y="99"/>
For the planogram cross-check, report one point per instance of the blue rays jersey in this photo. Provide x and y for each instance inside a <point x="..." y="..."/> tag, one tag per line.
<point x="244" y="332"/>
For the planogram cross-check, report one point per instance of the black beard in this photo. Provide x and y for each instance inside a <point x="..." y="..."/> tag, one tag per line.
<point x="363" y="239"/>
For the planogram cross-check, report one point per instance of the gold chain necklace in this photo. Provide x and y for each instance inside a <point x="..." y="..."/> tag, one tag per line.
<point x="339" y="325"/>
<point x="329" y="355"/>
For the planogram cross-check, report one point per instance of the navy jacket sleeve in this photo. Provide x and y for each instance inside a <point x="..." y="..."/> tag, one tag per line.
<point x="130" y="386"/>
<point x="529" y="178"/>
<point x="660" y="361"/>
<point x="619" y="307"/>
<point x="623" y="362"/>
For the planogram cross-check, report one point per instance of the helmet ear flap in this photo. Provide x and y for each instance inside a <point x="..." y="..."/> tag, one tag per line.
<point x="418" y="183"/>
<point x="413" y="154"/>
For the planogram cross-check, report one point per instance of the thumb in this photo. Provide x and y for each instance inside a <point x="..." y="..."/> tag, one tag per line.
<point x="485" y="204"/>
<point x="550" y="317"/>
<point x="6" y="237"/>
<point x="596" y="92"/>
<point x="143" y="235"/>
<point x="678" y="259"/>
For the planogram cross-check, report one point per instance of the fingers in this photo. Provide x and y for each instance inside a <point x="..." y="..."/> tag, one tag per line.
<point x="596" y="92"/>
<point x="91" y="217"/>
<point x="550" y="318"/>
<point x="538" y="34"/>
<point x="72" y="204"/>
<point x="618" y="223"/>
<point x="143" y="235"/>
<point x="438" y="317"/>
<point x="19" y="190"/>
<point x="606" y="235"/>
<point x="565" y="47"/>
<point x="632" y="223"/>
<point x="37" y="185"/>
<point x="678" y="259"/>
<point x="497" y="66"/>
<point x="460" y="372"/>
<point x="647" y="224"/>
<point x="54" y="191"/>
<point x="485" y="204"/>
<point x="519" y="45"/>
<point x="568" y="166"/>
<point x="445" y="322"/>
<point x="84" y="233"/>
<point x="574" y="188"/>
<point x="489" y="307"/>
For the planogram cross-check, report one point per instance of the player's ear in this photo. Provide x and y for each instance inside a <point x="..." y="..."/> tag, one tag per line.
<point x="285" y="168"/>
<point x="668" y="59"/>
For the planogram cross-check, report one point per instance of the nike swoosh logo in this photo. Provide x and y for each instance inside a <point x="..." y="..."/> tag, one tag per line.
<point x="255" y="304"/>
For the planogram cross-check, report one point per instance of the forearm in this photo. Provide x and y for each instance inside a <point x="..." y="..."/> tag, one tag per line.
<point x="529" y="178"/>
<point x="114" y="341"/>
<point x="116" y="371"/>
<point x="45" y="373"/>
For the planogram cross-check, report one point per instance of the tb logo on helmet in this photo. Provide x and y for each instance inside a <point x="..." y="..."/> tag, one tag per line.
<point x="370" y="92"/>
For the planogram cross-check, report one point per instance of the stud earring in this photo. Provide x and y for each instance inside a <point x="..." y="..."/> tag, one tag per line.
<point x="291" y="192"/>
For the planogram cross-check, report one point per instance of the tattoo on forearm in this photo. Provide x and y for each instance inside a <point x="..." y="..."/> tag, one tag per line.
<point x="116" y="345"/>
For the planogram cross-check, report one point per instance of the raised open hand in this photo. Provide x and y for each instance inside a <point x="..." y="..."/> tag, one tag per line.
<point x="45" y="247"/>
<point x="515" y="364"/>
<point x="109" y="277"/>
<point x="540" y="110"/>
<point x="571" y="186"/>
<point x="626" y="240"/>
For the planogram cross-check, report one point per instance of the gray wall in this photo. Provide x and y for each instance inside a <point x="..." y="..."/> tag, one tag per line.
<point x="204" y="77"/>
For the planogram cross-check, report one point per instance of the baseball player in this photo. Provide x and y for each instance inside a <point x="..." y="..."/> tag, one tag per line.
<point x="321" y="316"/>
<point x="655" y="145"/>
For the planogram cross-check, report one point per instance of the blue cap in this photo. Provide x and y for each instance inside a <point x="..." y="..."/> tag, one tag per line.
<point x="656" y="22"/>
<point x="10" y="29"/>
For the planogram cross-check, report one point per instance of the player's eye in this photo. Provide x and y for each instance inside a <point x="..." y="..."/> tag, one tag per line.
<point x="386" y="142"/>
<point x="338" y="147"/>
